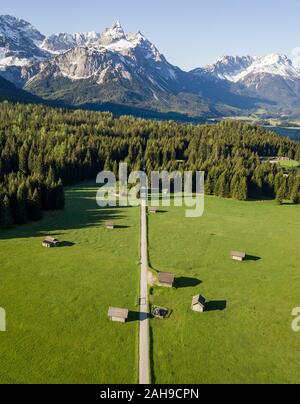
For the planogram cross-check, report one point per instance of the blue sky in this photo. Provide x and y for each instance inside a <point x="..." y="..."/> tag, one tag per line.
<point x="190" y="33"/>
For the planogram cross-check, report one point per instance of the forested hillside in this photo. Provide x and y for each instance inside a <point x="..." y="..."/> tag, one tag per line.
<point x="43" y="149"/>
<point x="9" y="92"/>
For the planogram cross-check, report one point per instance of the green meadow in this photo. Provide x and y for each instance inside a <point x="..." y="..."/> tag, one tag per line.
<point x="289" y="164"/>
<point x="56" y="300"/>
<point x="245" y="335"/>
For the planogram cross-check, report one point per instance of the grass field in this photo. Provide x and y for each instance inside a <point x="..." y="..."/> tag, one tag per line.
<point x="57" y="300"/>
<point x="289" y="164"/>
<point x="246" y="335"/>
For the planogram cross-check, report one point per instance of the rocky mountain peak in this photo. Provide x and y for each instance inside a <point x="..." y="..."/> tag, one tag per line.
<point x="16" y="29"/>
<point x="113" y="34"/>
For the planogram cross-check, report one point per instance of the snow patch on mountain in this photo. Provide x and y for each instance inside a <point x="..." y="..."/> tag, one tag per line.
<point x="236" y="69"/>
<point x="296" y="56"/>
<point x="112" y="39"/>
<point x="61" y="43"/>
<point x="17" y="29"/>
<point x="227" y="67"/>
<point x="114" y="34"/>
<point x="19" y="43"/>
<point x="274" y="64"/>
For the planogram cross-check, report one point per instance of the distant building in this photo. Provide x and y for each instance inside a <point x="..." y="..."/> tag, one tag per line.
<point x="277" y="160"/>
<point x="152" y="210"/>
<point x="118" y="315"/>
<point x="50" y="242"/>
<point x="238" y="256"/>
<point x="166" y="279"/>
<point x="110" y="225"/>
<point x="198" y="303"/>
<point x="2" y="320"/>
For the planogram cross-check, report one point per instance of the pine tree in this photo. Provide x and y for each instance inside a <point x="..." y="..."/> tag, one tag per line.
<point x="115" y="168"/>
<point x="23" y="160"/>
<point x="295" y="193"/>
<point x="243" y="189"/>
<point x="59" y="196"/>
<point x="234" y="187"/>
<point x="6" y="219"/>
<point x="35" y="206"/>
<point x="280" y="195"/>
<point x="222" y="186"/>
<point x="107" y="165"/>
<point x="21" y="205"/>
<point x="209" y="185"/>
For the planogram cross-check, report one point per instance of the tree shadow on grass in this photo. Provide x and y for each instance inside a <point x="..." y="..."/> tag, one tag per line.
<point x="216" y="305"/>
<point x="185" y="282"/>
<point x="81" y="212"/>
<point x="134" y="316"/>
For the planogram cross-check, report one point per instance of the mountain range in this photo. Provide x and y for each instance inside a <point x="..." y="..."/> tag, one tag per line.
<point x="124" y="69"/>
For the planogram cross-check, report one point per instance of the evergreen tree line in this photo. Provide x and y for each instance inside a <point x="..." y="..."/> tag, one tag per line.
<point x="23" y="198"/>
<point x="234" y="156"/>
<point x="44" y="149"/>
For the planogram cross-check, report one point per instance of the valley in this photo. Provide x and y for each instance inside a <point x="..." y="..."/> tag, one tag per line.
<point x="61" y="334"/>
<point x="149" y="196"/>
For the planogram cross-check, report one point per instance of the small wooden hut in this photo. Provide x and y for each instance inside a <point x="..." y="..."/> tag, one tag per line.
<point x="50" y="242"/>
<point x="152" y="210"/>
<point x="166" y="279"/>
<point x="238" y="256"/>
<point x="198" y="303"/>
<point x="118" y="315"/>
<point x="110" y="225"/>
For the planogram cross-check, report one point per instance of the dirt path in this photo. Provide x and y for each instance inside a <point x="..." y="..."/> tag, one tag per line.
<point x="144" y="362"/>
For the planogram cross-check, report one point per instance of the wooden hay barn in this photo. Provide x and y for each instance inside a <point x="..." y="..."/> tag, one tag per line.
<point x="198" y="303"/>
<point x="110" y="225"/>
<point x="166" y="279"/>
<point x="238" y="256"/>
<point x="50" y="242"/>
<point x="118" y="315"/>
<point x="152" y="210"/>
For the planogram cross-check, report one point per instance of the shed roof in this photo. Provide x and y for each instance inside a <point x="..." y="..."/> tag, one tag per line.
<point x="199" y="299"/>
<point x="238" y="254"/>
<point x="109" y="224"/>
<point x="50" y="239"/>
<point x="117" y="312"/>
<point x="166" y="277"/>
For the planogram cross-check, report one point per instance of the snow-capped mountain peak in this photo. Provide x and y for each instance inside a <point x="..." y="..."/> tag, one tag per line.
<point x="274" y="64"/>
<point x="236" y="69"/>
<point x="60" y="43"/>
<point x="16" y="29"/>
<point x="113" y="34"/>
<point x="112" y="39"/>
<point x="117" y="66"/>
<point x="19" y="43"/>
